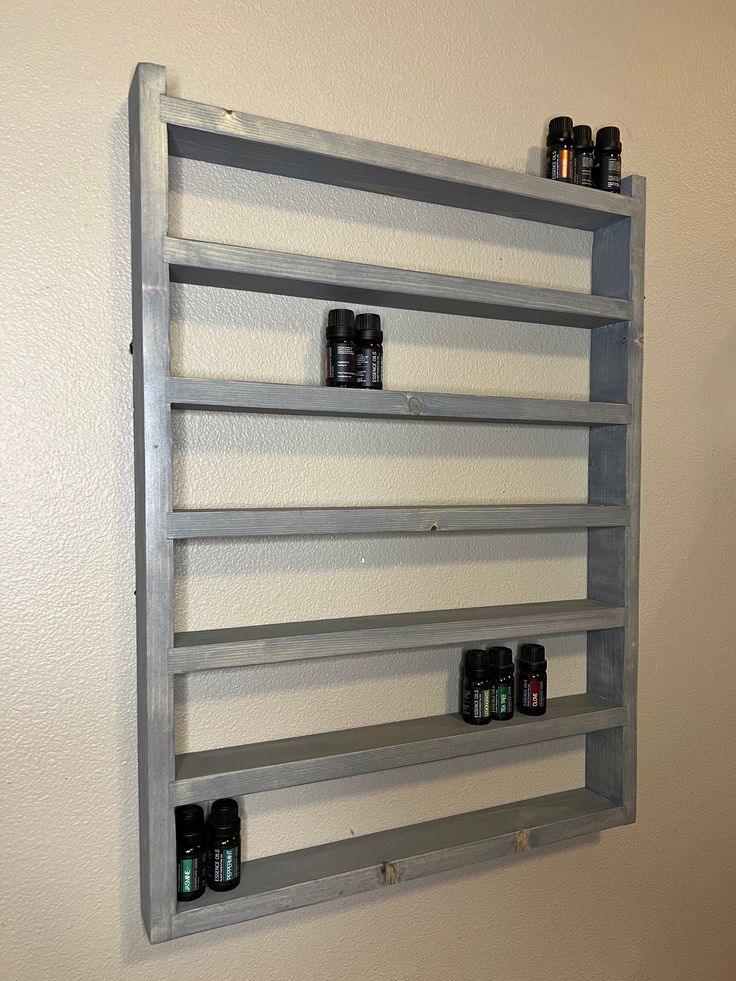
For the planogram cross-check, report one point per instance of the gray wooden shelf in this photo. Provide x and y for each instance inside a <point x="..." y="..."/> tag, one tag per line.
<point x="391" y="520"/>
<point x="162" y="126"/>
<point x="202" y="650"/>
<point x="387" y="858"/>
<point x="238" y="267"/>
<point x="222" y="395"/>
<point x="252" y="769"/>
<point x="238" y="139"/>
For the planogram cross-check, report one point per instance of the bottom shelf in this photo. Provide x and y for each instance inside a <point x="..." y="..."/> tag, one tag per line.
<point x="343" y="868"/>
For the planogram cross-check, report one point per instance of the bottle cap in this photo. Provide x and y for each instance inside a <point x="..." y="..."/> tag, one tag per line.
<point x="583" y="136"/>
<point x="560" y="127"/>
<point x="224" y="814"/>
<point x="368" y="327"/>
<point x="340" y="323"/>
<point x="532" y="654"/>
<point x="189" y="820"/>
<point x="501" y="657"/>
<point x="608" y="138"/>
<point x="476" y="661"/>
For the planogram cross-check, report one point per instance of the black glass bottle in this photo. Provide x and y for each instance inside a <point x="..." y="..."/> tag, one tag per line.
<point x="477" y="688"/>
<point x="502" y="683"/>
<point x="340" y="349"/>
<point x="223" y="855"/>
<point x="583" y="163"/>
<point x="368" y="351"/>
<point x="532" y="669"/>
<point x="560" y="149"/>
<point x="607" y="163"/>
<point x="191" y="852"/>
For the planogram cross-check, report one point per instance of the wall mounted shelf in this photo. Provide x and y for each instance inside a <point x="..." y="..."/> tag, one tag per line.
<point x="162" y="126"/>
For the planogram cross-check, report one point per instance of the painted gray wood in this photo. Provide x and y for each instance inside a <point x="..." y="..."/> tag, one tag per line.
<point x="390" y="520"/>
<point x="615" y="461"/>
<point x="241" y="396"/>
<point x="387" y="858"/>
<point x="153" y="498"/>
<point x="258" y="767"/>
<point x="239" y="139"/>
<point x="201" y="650"/>
<point x="260" y="271"/>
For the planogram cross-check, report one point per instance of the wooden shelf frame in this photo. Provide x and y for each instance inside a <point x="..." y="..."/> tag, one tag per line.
<point x="162" y="126"/>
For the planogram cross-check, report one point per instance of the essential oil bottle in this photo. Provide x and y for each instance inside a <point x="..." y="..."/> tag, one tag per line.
<point x="223" y="856"/>
<point x="560" y="150"/>
<point x="340" y="349"/>
<point x="502" y="683"/>
<point x="607" y="164"/>
<point x="477" y="688"/>
<point x="191" y="852"/>
<point x="532" y="668"/>
<point x="369" y="351"/>
<point x="583" y="163"/>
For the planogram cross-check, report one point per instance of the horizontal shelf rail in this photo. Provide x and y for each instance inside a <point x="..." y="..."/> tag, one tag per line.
<point x="201" y="650"/>
<point x="343" y="868"/>
<point x="388" y="520"/>
<point x="239" y="139"/>
<point x="258" y="767"/>
<point x="224" y="395"/>
<point x="261" y="271"/>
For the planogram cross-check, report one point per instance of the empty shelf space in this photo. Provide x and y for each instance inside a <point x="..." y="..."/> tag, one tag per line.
<point x="201" y="650"/>
<point x="344" y="868"/>
<point x="238" y="267"/>
<point x="259" y="767"/>
<point x="388" y="520"/>
<point x="224" y="395"/>
<point x="239" y="139"/>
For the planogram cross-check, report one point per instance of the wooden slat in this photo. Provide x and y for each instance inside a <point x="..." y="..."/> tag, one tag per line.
<point x="241" y="396"/>
<point x="260" y="271"/>
<point x="389" y="520"/>
<point x="153" y="497"/>
<point x="344" y="868"/>
<point x="239" y="139"/>
<point x="251" y="769"/>
<point x="201" y="650"/>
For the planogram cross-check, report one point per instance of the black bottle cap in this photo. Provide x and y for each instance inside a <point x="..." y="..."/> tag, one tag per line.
<point x="583" y="136"/>
<point x="608" y="138"/>
<point x="560" y="126"/>
<point x="476" y="662"/>
<point x="224" y="814"/>
<point x="340" y="323"/>
<point x="501" y="657"/>
<point x="532" y="654"/>
<point x="189" y="820"/>
<point x="368" y="327"/>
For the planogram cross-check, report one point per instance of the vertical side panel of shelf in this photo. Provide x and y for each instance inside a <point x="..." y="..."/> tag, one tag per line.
<point x="153" y="496"/>
<point x="614" y="478"/>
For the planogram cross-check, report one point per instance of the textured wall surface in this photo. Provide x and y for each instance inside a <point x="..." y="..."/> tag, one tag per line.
<point x="473" y="79"/>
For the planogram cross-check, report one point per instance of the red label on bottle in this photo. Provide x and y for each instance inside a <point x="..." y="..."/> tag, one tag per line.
<point x="535" y="694"/>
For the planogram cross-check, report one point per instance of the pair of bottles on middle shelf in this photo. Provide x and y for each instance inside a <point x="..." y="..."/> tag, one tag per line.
<point x="489" y="683"/>
<point x="353" y="350"/>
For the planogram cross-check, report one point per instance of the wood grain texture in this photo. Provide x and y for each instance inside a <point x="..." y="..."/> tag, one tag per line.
<point x="258" y="767"/>
<point x="387" y="858"/>
<point x="202" y="650"/>
<point x="261" y="271"/>
<point x="239" y="139"/>
<point x="389" y="520"/>
<point x="213" y="394"/>
<point x="153" y="498"/>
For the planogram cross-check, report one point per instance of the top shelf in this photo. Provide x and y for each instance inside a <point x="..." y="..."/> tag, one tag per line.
<point x="238" y="139"/>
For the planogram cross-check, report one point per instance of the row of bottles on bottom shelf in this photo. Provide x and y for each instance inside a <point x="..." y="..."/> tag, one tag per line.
<point x="490" y="688"/>
<point x="207" y="855"/>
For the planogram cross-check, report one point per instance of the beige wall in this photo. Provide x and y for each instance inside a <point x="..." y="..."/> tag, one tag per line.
<point x="473" y="79"/>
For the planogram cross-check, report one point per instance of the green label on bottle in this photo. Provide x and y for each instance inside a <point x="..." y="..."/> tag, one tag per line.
<point x="229" y="864"/>
<point x="186" y="875"/>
